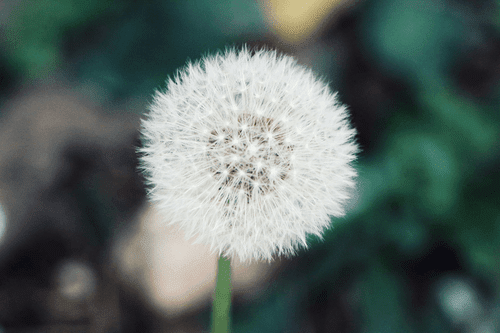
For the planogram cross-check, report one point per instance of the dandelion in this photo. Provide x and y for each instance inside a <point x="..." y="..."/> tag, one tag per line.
<point x="248" y="153"/>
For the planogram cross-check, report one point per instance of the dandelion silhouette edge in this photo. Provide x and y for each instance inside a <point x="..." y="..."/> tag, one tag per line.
<point x="248" y="152"/>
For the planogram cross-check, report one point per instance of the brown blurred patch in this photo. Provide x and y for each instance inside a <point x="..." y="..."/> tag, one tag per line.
<point x="179" y="277"/>
<point x="63" y="163"/>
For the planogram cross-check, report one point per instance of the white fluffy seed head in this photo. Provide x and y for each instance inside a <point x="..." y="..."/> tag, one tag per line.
<point x="249" y="152"/>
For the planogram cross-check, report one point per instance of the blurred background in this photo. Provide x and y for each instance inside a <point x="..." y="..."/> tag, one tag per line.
<point x="81" y="250"/>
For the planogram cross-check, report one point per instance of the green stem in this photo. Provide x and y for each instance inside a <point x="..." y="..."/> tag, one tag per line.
<point x="222" y="300"/>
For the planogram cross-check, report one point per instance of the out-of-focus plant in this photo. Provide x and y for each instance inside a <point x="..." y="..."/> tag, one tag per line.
<point x="249" y="153"/>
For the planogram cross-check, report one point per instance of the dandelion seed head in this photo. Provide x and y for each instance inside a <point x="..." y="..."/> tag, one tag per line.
<point x="249" y="153"/>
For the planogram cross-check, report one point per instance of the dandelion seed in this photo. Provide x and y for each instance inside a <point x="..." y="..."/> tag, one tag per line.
<point x="269" y="170"/>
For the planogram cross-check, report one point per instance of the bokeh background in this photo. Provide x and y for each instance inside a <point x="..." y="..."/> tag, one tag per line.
<point x="81" y="250"/>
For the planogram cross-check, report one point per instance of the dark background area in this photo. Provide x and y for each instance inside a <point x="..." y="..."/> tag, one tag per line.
<point x="419" y="248"/>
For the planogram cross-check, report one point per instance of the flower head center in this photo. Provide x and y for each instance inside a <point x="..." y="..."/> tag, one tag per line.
<point x="249" y="157"/>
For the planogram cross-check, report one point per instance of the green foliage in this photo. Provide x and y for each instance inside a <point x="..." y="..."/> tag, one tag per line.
<point x="433" y="179"/>
<point x="383" y="307"/>
<point x="34" y="31"/>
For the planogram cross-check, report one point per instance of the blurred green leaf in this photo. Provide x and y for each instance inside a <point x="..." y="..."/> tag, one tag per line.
<point x="415" y="39"/>
<point x="383" y="307"/>
<point x="34" y="31"/>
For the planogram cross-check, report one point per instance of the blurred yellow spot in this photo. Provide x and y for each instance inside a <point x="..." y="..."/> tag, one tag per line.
<point x="296" y="20"/>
